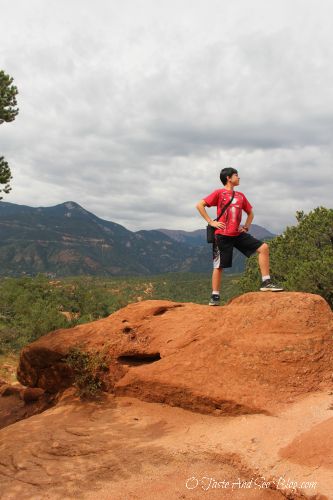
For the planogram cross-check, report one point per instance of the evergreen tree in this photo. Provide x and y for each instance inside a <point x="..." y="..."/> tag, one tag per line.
<point x="8" y="93"/>
<point x="8" y="112"/>
<point x="302" y="257"/>
<point x="5" y="176"/>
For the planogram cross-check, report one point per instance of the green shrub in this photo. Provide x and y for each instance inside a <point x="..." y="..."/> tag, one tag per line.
<point x="301" y="258"/>
<point x="87" y="369"/>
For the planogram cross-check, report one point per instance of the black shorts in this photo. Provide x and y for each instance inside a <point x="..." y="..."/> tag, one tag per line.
<point x="224" y="245"/>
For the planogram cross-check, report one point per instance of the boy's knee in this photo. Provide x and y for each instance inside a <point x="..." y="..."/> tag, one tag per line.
<point x="264" y="248"/>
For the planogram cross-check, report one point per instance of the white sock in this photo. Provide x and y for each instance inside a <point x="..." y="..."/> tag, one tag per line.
<point x="264" y="278"/>
<point x="214" y="292"/>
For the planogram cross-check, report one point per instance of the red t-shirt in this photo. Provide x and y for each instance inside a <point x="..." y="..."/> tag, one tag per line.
<point x="232" y="217"/>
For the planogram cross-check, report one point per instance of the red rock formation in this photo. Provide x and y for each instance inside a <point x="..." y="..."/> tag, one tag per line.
<point x="18" y="403"/>
<point x="253" y="355"/>
<point x="313" y="448"/>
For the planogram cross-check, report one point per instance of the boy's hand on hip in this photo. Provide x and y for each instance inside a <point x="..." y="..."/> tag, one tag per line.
<point x="217" y="225"/>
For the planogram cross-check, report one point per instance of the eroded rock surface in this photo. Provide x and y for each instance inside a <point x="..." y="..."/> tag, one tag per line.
<point x="254" y="355"/>
<point x="18" y="402"/>
<point x="124" y="448"/>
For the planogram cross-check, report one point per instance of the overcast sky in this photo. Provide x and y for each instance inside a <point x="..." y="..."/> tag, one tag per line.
<point x="132" y="107"/>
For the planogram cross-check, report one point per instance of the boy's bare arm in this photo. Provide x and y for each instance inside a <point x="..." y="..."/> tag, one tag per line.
<point x="248" y="222"/>
<point x="202" y="211"/>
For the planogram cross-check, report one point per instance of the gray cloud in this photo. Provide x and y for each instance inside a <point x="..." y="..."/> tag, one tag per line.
<point x="132" y="111"/>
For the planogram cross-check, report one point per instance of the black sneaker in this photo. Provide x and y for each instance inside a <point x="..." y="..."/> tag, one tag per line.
<point x="214" y="300"/>
<point x="269" y="286"/>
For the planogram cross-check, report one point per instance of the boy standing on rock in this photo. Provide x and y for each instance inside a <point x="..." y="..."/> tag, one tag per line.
<point x="229" y="234"/>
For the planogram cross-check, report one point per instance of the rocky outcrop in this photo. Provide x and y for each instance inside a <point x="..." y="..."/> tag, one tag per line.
<point x="18" y="402"/>
<point x="269" y="354"/>
<point x="254" y="355"/>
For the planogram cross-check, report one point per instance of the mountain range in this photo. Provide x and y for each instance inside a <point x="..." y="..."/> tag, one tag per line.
<point x="68" y="240"/>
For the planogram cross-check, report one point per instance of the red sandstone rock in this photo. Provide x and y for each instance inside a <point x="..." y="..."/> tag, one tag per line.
<point x="10" y="390"/>
<point x="253" y="355"/>
<point x="129" y="449"/>
<point x="313" y="448"/>
<point x="32" y="394"/>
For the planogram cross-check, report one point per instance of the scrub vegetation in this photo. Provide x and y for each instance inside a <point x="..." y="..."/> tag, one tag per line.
<point x="87" y="367"/>
<point x="33" y="306"/>
<point x="302" y="257"/>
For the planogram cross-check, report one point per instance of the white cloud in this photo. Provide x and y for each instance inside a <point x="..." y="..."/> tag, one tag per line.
<point x="131" y="109"/>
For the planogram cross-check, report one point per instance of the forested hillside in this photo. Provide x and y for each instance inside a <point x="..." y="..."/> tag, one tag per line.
<point x="67" y="240"/>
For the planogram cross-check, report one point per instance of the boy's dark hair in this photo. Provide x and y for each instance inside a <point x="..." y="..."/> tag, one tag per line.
<point x="227" y="172"/>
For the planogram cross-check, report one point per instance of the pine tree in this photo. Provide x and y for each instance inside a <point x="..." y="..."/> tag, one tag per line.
<point x="8" y="112"/>
<point x="5" y="176"/>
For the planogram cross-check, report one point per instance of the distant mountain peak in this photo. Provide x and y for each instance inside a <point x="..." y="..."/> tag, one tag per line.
<point x="71" y="205"/>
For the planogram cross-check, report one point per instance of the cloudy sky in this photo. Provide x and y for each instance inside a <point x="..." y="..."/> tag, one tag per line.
<point x="132" y="107"/>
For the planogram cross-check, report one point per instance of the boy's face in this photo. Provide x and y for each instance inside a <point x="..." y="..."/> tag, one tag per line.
<point x="234" y="179"/>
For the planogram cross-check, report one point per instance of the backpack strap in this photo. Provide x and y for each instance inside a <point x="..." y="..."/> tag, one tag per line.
<point x="225" y="206"/>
